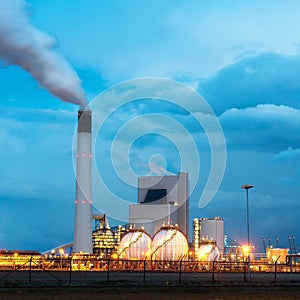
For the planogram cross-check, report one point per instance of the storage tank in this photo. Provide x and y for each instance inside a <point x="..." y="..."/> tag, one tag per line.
<point x="278" y="254"/>
<point x="208" y="252"/>
<point x="213" y="229"/>
<point x="169" y="243"/>
<point x="135" y="245"/>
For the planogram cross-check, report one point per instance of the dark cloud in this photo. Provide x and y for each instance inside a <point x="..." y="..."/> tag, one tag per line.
<point x="266" y="79"/>
<point x="263" y="128"/>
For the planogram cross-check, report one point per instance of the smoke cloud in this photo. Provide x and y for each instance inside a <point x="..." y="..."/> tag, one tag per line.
<point x="24" y="45"/>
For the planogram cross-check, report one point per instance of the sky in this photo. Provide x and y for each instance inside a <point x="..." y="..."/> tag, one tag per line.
<point x="242" y="57"/>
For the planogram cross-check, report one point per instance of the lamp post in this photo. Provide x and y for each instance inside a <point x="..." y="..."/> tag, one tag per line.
<point x="247" y="187"/>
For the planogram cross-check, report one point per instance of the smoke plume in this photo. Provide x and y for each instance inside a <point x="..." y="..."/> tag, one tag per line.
<point x="24" y="45"/>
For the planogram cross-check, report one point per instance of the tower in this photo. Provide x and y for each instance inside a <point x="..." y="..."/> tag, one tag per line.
<point x="83" y="201"/>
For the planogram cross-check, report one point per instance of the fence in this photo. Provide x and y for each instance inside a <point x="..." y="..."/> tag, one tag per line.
<point x="59" y="270"/>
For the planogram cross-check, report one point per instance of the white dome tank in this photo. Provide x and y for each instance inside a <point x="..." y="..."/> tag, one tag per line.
<point x="208" y="252"/>
<point x="135" y="245"/>
<point x="169" y="243"/>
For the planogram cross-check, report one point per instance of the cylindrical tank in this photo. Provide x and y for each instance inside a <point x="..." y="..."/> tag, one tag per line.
<point x="135" y="245"/>
<point x="208" y="252"/>
<point x="277" y="254"/>
<point x="169" y="243"/>
<point x="213" y="229"/>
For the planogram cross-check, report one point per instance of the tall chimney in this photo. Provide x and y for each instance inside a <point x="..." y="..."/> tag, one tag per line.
<point x="83" y="201"/>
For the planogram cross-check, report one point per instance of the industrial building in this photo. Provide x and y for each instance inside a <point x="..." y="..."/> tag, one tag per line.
<point x="106" y="240"/>
<point x="208" y="230"/>
<point x="161" y="200"/>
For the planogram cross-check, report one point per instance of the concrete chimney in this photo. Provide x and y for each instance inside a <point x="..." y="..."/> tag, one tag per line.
<point x="83" y="201"/>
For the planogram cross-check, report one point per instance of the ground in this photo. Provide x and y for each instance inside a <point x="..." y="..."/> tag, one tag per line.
<point x="55" y="285"/>
<point x="145" y="293"/>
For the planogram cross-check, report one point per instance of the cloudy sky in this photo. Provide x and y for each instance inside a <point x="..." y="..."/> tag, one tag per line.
<point x="241" y="56"/>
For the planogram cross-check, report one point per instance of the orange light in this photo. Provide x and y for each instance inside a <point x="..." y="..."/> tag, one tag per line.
<point x="114" y="256"/>
<point x="246" y="249"/>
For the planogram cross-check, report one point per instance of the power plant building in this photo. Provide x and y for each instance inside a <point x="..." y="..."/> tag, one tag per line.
<point x="161" y="200"/>
<point x="205" y="230"/>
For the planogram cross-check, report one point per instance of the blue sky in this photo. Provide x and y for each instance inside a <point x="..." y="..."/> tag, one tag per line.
<point x="241" y="56"/>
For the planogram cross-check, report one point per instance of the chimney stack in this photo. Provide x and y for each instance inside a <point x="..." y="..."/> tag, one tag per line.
<point x="83" y="202"/>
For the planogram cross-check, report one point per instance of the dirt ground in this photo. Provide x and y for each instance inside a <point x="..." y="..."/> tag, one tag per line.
<point x="145" y="293"/>
<point x="152" y="285"/>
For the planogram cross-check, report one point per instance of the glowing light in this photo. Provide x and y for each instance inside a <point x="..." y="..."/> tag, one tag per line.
<point x="208" y="252"/>
<point x="246" y="250"/>
<point x="169" y="244"/>
<point x="134" y="245"/>
<point x="114" y="256"/>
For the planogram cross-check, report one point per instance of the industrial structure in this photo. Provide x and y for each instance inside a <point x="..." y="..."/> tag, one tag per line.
<point x="83" y="202"/>
<point x="208" y="230"/>
<point x="161" y="199"/>
<point x="168" y="244"/>
<point x="136" y="244"/>
<point x="151" y="241"/>
<point x="106" y="240"/>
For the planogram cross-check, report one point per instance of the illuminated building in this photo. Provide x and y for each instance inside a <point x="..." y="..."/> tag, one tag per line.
<point x="208" y="229"/>
<point x="208" y="251"/>
<point x="104" y="242"/>
<point x="277" y="254"/>
<point x="105" y="239"/>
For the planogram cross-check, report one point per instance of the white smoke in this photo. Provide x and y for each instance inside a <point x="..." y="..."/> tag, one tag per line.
<point x="23" y="45"/>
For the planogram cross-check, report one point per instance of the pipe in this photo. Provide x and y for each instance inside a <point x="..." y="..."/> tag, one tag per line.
<point x="290" y="243"/>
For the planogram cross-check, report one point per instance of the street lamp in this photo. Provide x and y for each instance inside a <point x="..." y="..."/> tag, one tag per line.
<point x="247" y="187"/>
